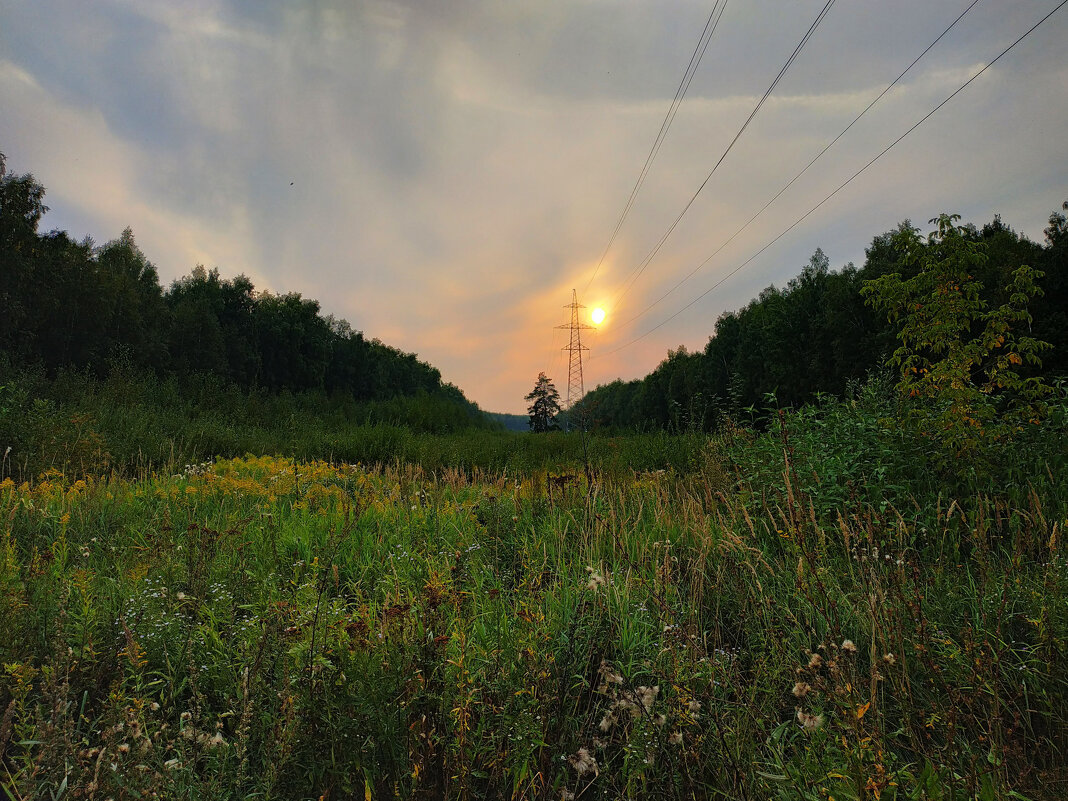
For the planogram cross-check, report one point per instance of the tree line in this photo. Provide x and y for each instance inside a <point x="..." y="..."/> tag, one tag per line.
<point x="71" y="304"/>
<point x="818" y="333"/>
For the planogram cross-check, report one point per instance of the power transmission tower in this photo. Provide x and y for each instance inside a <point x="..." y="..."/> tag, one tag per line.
<point x="574" y="348"/>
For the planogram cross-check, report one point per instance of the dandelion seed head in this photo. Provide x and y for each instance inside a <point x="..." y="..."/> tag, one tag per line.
<point x="584" y="762"/>
<point x="647" y="696"/>
<point x="808" y="721"/>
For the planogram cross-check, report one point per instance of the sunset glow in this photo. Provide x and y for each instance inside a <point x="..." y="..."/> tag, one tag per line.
<point x="597" y="316"/>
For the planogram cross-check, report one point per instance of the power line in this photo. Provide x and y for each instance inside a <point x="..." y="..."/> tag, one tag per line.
<point x="791" y="182"/>
<point x="691" y="68"/>
<point x="636" y="273"/>
<point x="841" y="186"/>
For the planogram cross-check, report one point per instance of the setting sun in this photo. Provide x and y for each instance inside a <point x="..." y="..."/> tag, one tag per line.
<point x="597" y="316"/>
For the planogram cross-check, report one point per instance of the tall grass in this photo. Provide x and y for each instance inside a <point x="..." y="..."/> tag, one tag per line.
<point x="271" y="627"/>
<point x="129" y="424"/>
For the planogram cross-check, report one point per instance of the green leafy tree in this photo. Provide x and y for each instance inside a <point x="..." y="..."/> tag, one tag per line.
<point x="961" y="363"/>
<point x="21" y="209"/>
<point x="1051" y="312"/>
<point x="134" y="313"/>
<point x="294" y="342"/>
<point x="545" y="406"/>
<point x="196" y="338"/>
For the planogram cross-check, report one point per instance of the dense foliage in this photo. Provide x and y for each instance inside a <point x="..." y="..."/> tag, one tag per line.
<point x="818" y="333"/>
<point x="72" y="304"/>
<point x="129" y="423"/>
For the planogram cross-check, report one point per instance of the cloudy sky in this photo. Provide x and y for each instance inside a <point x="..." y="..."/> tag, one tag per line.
<point x="442" y="174"/>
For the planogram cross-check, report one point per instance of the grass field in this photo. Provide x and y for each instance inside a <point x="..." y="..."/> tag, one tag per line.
<point x="133" y="424"/>
<point x="275" y="628"/>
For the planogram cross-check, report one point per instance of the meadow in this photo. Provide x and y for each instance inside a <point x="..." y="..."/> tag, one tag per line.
<point x="807" y="611"/>
<point x="134" y="423"/>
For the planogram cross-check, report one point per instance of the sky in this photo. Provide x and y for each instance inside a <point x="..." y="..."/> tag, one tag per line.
<point x="443" y="174"/>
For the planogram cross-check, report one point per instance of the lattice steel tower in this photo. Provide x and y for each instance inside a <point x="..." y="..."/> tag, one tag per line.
<point x="575" y="388"/>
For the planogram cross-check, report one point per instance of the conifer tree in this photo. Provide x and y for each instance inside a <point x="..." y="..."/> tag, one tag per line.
<point x="545" y="406"/>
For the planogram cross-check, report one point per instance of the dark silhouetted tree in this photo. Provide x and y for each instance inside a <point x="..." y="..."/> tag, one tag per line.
<point x="545" y="406"/>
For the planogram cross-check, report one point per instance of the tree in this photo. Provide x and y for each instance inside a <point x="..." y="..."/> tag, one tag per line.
<point x="545" y="407"/>
<point x="134" y="315"/>
<point x="21" y="209"/>
<point x="294" y="342"/>
<point x="961" y="362"/>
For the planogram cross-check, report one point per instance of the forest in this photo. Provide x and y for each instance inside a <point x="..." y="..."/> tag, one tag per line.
<point x="819" y="334"/>
<point x="72" y="305"/>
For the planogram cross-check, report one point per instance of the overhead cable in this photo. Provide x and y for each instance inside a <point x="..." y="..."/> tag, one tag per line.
<point x="791" y="182"/>
<point x="841" y="186"/>
<point x="691" y="68"/>
<point x="640" y="268"/>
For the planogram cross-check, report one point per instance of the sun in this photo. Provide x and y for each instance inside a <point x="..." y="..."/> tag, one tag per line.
<point x="597" y="316"/>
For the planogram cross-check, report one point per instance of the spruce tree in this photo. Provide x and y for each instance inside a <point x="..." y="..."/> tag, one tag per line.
<point x="545" y="406"/>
